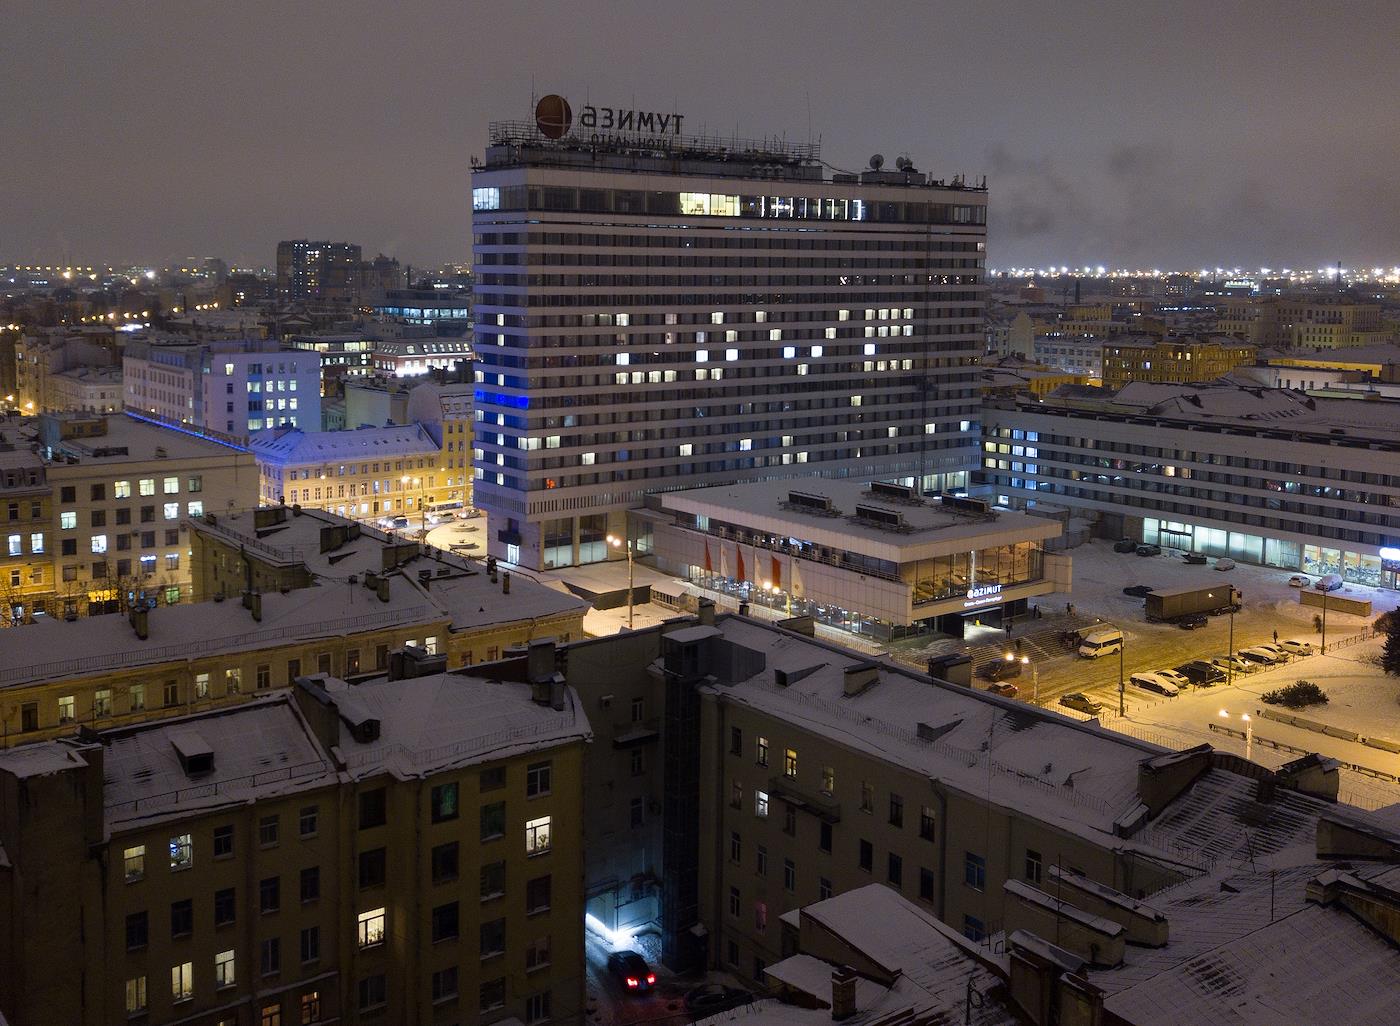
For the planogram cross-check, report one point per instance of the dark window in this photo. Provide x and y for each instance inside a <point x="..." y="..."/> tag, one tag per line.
<point x="445" y="862"/>
<point x="69" y="547"/>
<point x="308" y="821"/>
<point x="736" y="741"/>
<point x="373" y="992"/>
<point x="493" y="880"/>
<point x="445" y="922"/>
<point x="372" y="808"/>
<point x="493" y="820"/>
<point x="310" y="943"/>
<point x="29" y="717"/>
<point x="270" y="894"/>
<point x="537" y="779"/>
<point x="372" y="868"/>
<point x="445" y="983"/>
<point x="293" y="669"/>
<point x="492" y="779"/>
<point x="974" y="871"/>
<point x="98" y="492"/>
<point x="99" y="518"/>
<point x="68" y="493"/>
<point x="537" y="895"/>
<point x="896" y="810"/>
<point x="926" y="823"/>
<point x="926" y="884"/>
<point x="444" y="802"/>
<point x="268" y="831"/>
<point x="181" y="918"/>
<point x="867" y="856"/>
<point x="492" y="994"/>
<point x="823" y="888"/>
<point x="896" y="870"/>
<point x="310" y="883"/>
<point x="637" y="812"/>
<point x="1033" y="866"/>
<point x="223" y="841"/>
<point x="270" y="956"/>
<point x="824" y="840"/>
<point x="493" y="937"/>
<point x="789" y="875"/>
<point x="790" y="820"/>
<point x="225" y="907"/>
<point x="137" y="931"/>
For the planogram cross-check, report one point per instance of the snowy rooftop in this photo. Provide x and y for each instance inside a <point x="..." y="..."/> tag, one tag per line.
<point x="141" y="439"/>
<point x="450" y="719"/>
<point x="929" y="964"/>
<point x="294" y="448"/>
<point x="1074" y="773"/>
<point x="765" y="506"/>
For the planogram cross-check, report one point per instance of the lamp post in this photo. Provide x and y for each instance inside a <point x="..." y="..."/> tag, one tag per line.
<point x="1248" y="732"/>
<point x="1230" y="672"/>
<point x="418" y="483"/>
<point x="618" y="543"/>
<point x="1324" y="622"/>
<point x="1122" y="709"/>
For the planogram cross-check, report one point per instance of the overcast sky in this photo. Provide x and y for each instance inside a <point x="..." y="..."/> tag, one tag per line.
<point x="1192" y="133"/>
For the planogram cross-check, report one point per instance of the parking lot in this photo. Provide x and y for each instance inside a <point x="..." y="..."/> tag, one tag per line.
<point x="1268" y="605"/>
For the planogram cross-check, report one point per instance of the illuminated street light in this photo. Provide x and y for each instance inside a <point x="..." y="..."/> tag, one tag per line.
<point x="618" y="543"/>
<point x="1248" y="732"/>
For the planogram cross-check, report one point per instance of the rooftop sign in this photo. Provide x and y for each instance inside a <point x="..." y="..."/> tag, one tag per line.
<point x="554" y="117"/>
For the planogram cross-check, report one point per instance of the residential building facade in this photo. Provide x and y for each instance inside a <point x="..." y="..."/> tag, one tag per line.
<point x="1175" y="360"/>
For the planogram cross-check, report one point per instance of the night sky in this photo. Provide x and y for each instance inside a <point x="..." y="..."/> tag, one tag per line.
<point x="1185" y="134"/>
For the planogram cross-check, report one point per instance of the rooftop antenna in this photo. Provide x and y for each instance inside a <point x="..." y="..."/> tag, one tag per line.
<point x="809" y="117"/>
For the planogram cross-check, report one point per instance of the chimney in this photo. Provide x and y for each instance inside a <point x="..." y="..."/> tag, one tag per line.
<point x="382" y="589"/>
<point x="843" y="993"/>
<point x="505" y="583"/>
<point x="859" y="677"/>
<point x="140" y="622"/>
<point x="556" y="693"/>
<point x="253" y="600"/>
<point x="371" y="580"/>
<point x="707" y="612"/>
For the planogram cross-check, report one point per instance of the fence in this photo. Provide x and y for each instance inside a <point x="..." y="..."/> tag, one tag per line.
<point x="247" y="782"/>
<point x="424" y="757"/>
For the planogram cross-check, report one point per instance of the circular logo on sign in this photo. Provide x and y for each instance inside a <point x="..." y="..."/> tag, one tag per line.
<point x="553" y="116"/>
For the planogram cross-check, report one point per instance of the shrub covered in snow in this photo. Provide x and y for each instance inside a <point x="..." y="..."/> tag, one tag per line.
<point x="1297" y="695"/>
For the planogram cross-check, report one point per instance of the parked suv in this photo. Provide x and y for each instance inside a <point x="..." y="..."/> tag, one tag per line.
<point x="1201" y="673"/>
<point x="1154" y="682"/>
<point x="1295" y="647"/>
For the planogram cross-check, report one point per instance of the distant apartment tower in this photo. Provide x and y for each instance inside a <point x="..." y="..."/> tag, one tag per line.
<point x="309" y="272"/>
<point x="664" y="312"/>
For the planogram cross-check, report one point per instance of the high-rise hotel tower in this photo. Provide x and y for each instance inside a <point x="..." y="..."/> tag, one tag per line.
<point x="657" y="310"/>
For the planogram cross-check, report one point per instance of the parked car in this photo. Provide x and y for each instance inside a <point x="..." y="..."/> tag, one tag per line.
<point x="1137" y="590"/>
<point x="1155" y="683"/>
<point x="1278" y="650"/>
<point x="1148" y="550"/>
<point x="1260" y="657"/>
<point x="1193" y="621"/>
<point x="1000" y="669"/>
<point x="401" y="523"/>
<point x="632" y="971"/>
<point x="1126" y="545"/>
<point x="1179" y="679"/>
<point x="1201" y="673"/>
<point x="1328" y="582"/>
<point x="1295" y="647"/>
<point x="1195" y="558"/>
<point x="713" y="998"/>
<point x="1298" y="581"/>
<point x="1081" y="702"/>
<point x="1005" y="689"/>
<point x="1234" y="664"/>
<point x="1224" y="564"/>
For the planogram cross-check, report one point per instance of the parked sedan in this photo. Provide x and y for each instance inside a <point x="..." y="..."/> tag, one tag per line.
<point x="1138" y="590"/>
<point x="1081" y="702"/>
<point x="1126" y="545"/>
<point x="1201" y="673"/>
<point x="1224" y="564"/>
<point x="1195" y="558"/>
<point x="1260" y="657"/>
<point x="1295" y="647"/>
<point x="1154" y="682"/>
<point x="1234" y="664"/>
<point x="1005" y="689"/>
<point x="1278" y="650"/>
<point x="1193" y="621"/>
<point x="1149" y="550"/>
<point x="1000" y="669"/>
<point x="713" y="998"/>
<point x="1298" y="581"/>
<point x="1173" y="677"/>
<point x="631" y="970"/>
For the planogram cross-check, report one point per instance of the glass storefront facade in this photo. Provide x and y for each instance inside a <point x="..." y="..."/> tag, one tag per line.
<point x="1315" y="560"/>
<point x="943" y="577"/>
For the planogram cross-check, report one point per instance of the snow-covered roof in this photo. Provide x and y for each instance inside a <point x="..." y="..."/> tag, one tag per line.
<point x="1073" y="773"/>
<point x="26" y="761"/>
<point x="141" y="439"/>
<point x="293" y="447"/>
<point x="449" y="719"/>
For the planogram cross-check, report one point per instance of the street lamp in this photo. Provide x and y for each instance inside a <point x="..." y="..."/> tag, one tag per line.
<point x="618" y="543"/>
<point x="1122" y="709"/>
<point x="418" y="483"/>
<point x="1248" y="732"/>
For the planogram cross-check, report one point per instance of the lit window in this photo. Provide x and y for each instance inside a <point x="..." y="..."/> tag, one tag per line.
<point x="36" y="544"/>
<point x="224" y="969"/>
<point x="181" y="852"/>
<point x="196" y="508"/>
<point x="731" y="354"/>
<point x="172" y="486"/>
<point x="371" y="928"/>
<point x="148" y="486"/>
<point x="134" y="862"/>
<point x="136" y="995"/>
<point x="789" y="352"/>
<point x="790" y="762"/>
<point x="68" y="520"/>
<point x="182" y="981"/>
<point x="760" y="803"/>
<point x="537" y="836"/>
<point x="16" y="544"/>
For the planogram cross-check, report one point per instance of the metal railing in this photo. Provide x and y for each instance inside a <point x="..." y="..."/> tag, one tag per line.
<point x="426" y="757"/>
<point x="215" y="788"/>
<point x="247" y="541"/>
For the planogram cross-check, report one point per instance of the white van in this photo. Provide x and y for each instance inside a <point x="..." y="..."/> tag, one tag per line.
<point x="1101" y="641"/>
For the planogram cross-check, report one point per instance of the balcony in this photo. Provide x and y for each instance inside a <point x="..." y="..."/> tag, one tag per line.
<point x="821" y="805"/>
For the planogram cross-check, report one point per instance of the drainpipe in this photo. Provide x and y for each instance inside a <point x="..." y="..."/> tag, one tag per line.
<point x="942" y="850"/>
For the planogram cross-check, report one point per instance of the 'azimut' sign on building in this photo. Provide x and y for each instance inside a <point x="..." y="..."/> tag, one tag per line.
<point x="554" y="118"/>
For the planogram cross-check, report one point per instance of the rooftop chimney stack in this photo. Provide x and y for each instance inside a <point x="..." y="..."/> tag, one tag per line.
<point x="140" y="622"/>
<point x="843" y="993"/>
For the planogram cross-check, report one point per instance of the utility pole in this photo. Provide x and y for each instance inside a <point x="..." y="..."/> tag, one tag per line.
<point x="1122" y="710"/>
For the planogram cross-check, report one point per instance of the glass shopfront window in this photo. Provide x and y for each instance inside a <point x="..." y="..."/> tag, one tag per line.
<point x="944" y="577"/>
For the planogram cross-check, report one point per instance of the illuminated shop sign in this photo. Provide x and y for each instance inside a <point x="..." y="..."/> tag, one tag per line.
<point x="554" y="117"/>
<point x="985" y="595"/>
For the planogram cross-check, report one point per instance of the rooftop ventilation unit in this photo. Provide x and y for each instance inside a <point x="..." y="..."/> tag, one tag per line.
<point x="886" y="518"/>
<point x="195" y="754"/>
<point x="899" y="492"/>
<point x="810" y="501"/>
<point x="965" y="504"/>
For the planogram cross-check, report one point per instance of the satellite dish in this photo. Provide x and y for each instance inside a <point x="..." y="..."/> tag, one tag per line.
<point x="903" y="163"/>
<point x="877" y="162"/>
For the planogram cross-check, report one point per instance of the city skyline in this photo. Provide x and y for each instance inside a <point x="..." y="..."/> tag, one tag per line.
<point x="1127" y="140"/>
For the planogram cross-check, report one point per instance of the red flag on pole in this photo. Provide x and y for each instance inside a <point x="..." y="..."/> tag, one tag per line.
<point x="777" y="575"/>
<point x="709" y="567"/>
<point x="739" y="549"/>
